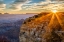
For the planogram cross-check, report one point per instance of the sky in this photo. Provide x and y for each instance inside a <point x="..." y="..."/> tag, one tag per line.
<point x="30" y="6"/>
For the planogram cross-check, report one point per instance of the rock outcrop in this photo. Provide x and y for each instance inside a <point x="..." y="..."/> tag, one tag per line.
<point x="39" y="28"/>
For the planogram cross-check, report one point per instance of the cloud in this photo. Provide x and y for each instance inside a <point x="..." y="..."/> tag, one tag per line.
<point x="20" y="1"/>
<point x="45" y="5"/>
<point x="57" y="0"/>
<point x="16" y="5"/>
<point x="2" y="5"/>
<point x="54" y="0"/>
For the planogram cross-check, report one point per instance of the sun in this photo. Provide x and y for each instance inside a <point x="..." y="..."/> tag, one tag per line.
<point x="54" y="11"/>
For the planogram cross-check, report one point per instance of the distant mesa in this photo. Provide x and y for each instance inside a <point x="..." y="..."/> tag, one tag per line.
<point x="31" y="13"/>
<point x="6" y="13"/>
<point x="0" y="13"/>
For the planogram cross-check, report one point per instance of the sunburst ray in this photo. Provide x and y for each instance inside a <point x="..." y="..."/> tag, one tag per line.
<point x="50" y="23"/>
<point x="60" y="21"/>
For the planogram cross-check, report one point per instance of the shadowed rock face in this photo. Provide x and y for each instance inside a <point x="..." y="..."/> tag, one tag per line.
<point x="4" y="39"/>
<point x="39" y="28"/>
